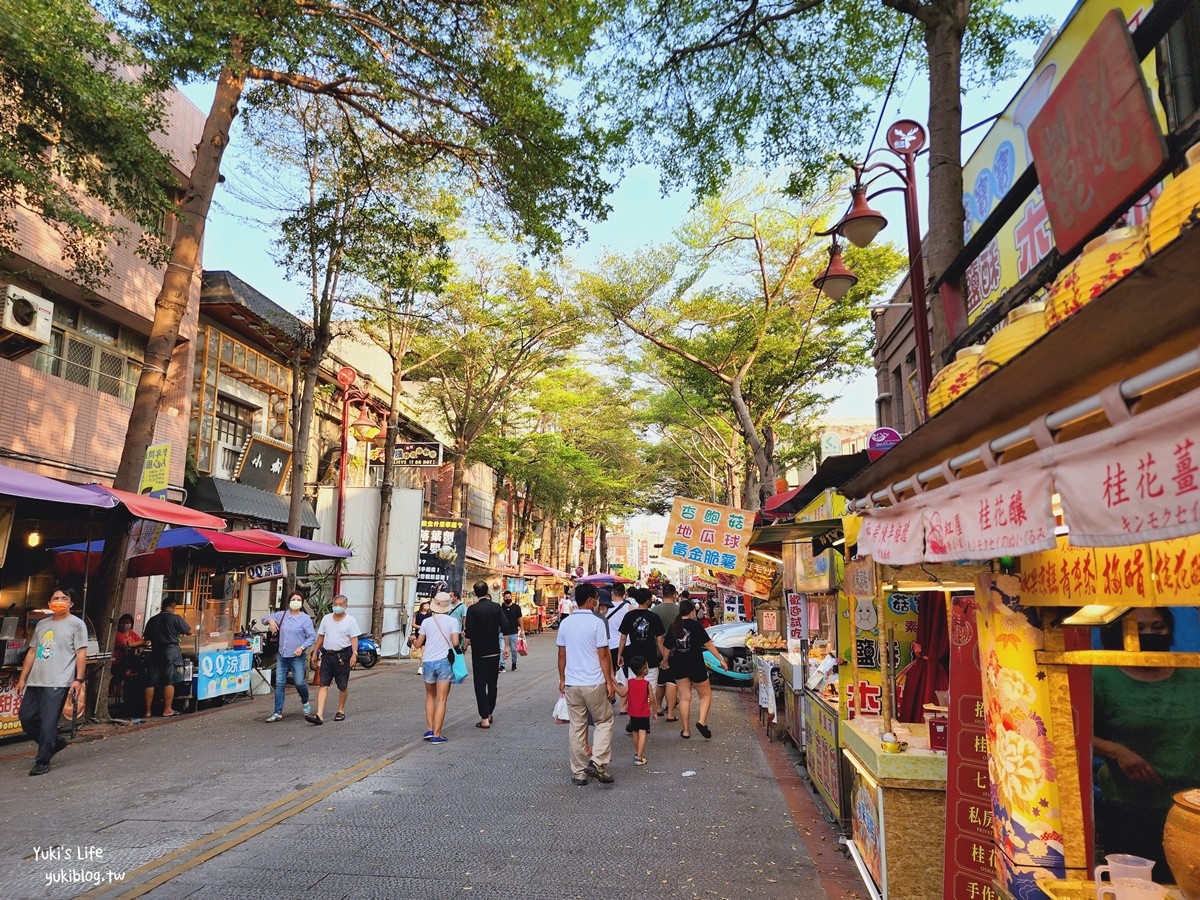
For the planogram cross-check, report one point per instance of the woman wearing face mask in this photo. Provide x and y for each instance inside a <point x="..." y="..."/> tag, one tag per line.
<point x="122" y="661"/>
<point x="296" y="635"/>
<point x="1147" y="735"/>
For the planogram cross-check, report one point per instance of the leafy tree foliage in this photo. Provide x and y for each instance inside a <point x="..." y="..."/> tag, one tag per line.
<point x="77" y="111"/>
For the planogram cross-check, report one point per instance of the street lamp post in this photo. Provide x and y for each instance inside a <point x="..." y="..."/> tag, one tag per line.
<point x="859" y="226"/>
<point x="365" y="428"/>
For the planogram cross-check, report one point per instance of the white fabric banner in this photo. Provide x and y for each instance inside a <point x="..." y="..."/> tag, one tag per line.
<point x="1004" y="512"/>
<point x="1136" y="482"/>
<point x="893" y="535"/>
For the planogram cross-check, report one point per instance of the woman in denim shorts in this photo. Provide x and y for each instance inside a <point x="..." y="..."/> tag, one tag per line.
<point x="437" y="635"/>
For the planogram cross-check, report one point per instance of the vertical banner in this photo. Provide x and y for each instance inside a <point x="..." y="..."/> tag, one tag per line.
<point x="970" y="852"/>
<point x="795" y="602"/>
<point x="443" y="557"/>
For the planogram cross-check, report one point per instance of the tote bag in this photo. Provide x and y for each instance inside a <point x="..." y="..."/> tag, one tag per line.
<point x="459" y="666"/>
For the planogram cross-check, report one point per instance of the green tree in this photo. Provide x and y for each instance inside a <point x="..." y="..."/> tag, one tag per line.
<point x="77" y="112"/>
<point x="767" y="338"/>
<point x="705" y="84"/>
<point x="467" y="83"/>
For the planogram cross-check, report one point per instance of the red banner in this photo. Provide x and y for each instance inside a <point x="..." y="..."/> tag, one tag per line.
<point x="970" y="850"/>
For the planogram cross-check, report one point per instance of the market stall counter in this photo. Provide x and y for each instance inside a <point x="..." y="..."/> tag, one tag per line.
<point x="891" y="794"/>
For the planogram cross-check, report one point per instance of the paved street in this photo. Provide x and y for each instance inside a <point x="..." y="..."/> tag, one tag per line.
<point x="221" y="805"/>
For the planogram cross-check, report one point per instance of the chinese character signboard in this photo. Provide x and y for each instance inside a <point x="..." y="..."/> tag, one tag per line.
<point x="970" y="852"/>
<point x="418" y="454"/>
<point x="222" y="672"/>
<point x="795" y="619"/>
<point x="975" y="519"/>
<point x="443" y="557"/>
<point x="893" y="535"/>
<point x="756" y="581"/>
<point x="272" y="570"/>
<point x="1136" y="482"/>
<point x="709" y="535"/>
<point x="1096" y="141"/>
<point x="265" y="464"/>
<point x="156" y="471"/>
<point x="1004" y="153"/>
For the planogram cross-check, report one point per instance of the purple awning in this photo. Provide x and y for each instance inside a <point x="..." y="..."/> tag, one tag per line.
<point x="19" y="483"/>
<point x="314" y="549"/>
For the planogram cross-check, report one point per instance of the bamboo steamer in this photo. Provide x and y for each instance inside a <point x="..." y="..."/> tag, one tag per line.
<point x="954" y="380"/>
<point x="1104" y="262"/>
<point x="1177" y="207"/>
<point x="1022" y="327"/>
<point x="1181" y="842"/>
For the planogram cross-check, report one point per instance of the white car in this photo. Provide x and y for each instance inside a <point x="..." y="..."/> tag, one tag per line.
<point x="730" y="639"/>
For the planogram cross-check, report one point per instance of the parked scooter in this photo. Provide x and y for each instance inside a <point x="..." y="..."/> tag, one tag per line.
<point x="368" y="651"/>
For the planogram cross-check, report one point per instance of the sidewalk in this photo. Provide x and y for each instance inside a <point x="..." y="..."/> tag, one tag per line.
<point x="365" y="808"/>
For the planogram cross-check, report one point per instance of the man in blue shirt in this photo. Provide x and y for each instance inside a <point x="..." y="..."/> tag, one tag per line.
<point x="296" y="635"/>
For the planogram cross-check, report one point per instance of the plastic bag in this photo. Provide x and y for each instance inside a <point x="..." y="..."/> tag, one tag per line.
<point x="459" y="667"/>
<point x="561" y="714"/>
<point x="522" y="647"/>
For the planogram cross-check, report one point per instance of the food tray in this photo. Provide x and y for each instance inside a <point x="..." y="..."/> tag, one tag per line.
<point x="1084" y="890"/>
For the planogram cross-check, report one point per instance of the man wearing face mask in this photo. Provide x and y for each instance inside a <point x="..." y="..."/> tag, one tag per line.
<point x="296" y="635"/>
<point x="337" y="646"/>
<point x="54" y="668"/>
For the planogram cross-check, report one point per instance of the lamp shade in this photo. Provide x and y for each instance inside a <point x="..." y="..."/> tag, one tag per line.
<point x="835" y="282"/>
<point x="364" y="427"/>
<point x="861" y="224"/>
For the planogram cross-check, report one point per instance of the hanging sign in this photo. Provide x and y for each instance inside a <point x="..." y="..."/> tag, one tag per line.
<point x="271" y="570"/>
<point x="708" y="534"/>
<point x="894" y="534"/>
<point x="418" y="454"/>
<point x="760" y="574"/>
<point x="156" y="471"/>
<point x="1136" y="482"/>
<point x="1096" y="141"/>
<point x="265" y="464"/>
<point x="860" y="578"/>
<point x="990" y="515"/>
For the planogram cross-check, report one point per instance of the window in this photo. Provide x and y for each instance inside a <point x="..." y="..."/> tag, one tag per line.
<point x="91" y="351"/>
<point x="235" y="422"/>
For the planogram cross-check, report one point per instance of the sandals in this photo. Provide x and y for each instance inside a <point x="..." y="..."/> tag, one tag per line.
<point x="672" y="718"/>
<point x="685" y="735"/>
<point x="481" y="725"/>
<point x="704" y="730"/>
<point x="339" y="717"/>
<point x="639" y="760"/>
<point x="313" y="719"/>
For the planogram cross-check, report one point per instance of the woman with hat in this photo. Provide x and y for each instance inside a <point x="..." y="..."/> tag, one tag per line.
<point x="438" y="634"/>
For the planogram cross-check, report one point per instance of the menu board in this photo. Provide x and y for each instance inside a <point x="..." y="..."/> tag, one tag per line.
<point x="824" y="760"/>
<point x="970" y="850"/>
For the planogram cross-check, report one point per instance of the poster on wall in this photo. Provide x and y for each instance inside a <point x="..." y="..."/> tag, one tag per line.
<point x="860" y="632"/>
<point x="733" y="606"/>
<point x="443" y="557"/>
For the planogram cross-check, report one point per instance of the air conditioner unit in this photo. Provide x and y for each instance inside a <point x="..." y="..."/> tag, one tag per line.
<point x="24" y="322"/>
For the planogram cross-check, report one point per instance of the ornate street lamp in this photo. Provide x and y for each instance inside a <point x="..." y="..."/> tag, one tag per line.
<point x="861" y="224"/>
<point x="835" y="282"/>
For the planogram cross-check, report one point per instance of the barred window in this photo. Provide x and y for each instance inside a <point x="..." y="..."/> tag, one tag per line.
<point x="93" y="352"/>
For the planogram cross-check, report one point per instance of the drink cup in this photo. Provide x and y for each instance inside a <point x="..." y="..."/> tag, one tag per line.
<point x="1124" y="865"/>
<point x="1131" y="889"/>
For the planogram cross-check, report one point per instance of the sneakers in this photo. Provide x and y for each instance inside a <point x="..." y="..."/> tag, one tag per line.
<point x="275" y="717"/>
<point x="60" y="746"/>
<point x="591" y="769"/>
<point x="308" y="709"/>
<point x="40" y="768"/>
<point x="639" y="760"/>
<point x="579" y="780"/>
<point x="602" y="774"/>
<point x="427" y="735"/>
<point x="437" y="739"/>
<point x="419" y="672"/>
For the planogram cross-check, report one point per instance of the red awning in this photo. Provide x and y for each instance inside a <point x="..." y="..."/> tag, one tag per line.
<point x="537" y="570"/>
<point x="201" y="541"/>
<point x="160" y="510"/>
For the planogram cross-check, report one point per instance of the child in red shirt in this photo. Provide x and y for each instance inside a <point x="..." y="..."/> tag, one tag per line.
<point x="640" y="708"/>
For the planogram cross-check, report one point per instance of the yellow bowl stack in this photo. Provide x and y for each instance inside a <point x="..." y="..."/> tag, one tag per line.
<point x="1022" y="327"/>
<point x="1104" y="262"/>
<point x="954" y="380"/>
<point x="1178" y="206"/>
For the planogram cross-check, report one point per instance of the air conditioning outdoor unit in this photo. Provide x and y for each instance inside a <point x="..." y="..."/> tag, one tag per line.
<point x="24" y="322"/>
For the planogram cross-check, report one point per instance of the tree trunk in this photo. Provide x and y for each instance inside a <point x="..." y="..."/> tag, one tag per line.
<point x="764" y="462"/>
<point x="170" y="306"/>
<point x="602" y="545"/>
<point x="457" y="506"/>
<point x="943" y="42"/>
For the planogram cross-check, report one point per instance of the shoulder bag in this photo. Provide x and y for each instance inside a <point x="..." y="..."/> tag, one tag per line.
<point x="457" y="660"/>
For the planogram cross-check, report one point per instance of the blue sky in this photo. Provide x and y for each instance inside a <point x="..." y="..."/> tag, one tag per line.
<point x="640" y="215"/>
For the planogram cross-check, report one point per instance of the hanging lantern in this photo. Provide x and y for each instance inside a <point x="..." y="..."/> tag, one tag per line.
<point x="835" y="282"/>
<point x="954" y="380"/>
<point x="1022" y="326"/>
<point x="1178" y="206"/>
<point x="1103" y="263"/>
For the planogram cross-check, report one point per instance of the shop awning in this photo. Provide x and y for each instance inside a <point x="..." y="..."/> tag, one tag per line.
<point x="833" y="472"/>
<point x="246" y="502"/>
<point x="537" y="570"/>
<point x="30" y="486"/>
<point x="792" y="532"/>
<point x="158" y="510"/>
<point x="312" y="549"/>
<point x="70" y="559"/>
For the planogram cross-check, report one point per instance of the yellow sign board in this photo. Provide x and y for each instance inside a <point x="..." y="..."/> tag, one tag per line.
<point x="1162" y="573"/>
<point x="708" y="534"/>
<point x="156" y="471"/>
<point x="1004" y="154"/>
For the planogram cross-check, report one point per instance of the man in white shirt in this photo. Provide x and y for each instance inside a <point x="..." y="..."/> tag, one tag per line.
<point x="565" y="606"/>
<point x="585" y="677"/>
<point x="337" y="650"/>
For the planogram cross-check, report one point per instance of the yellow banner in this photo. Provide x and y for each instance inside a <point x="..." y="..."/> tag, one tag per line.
<point x="1162" y="573"/>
